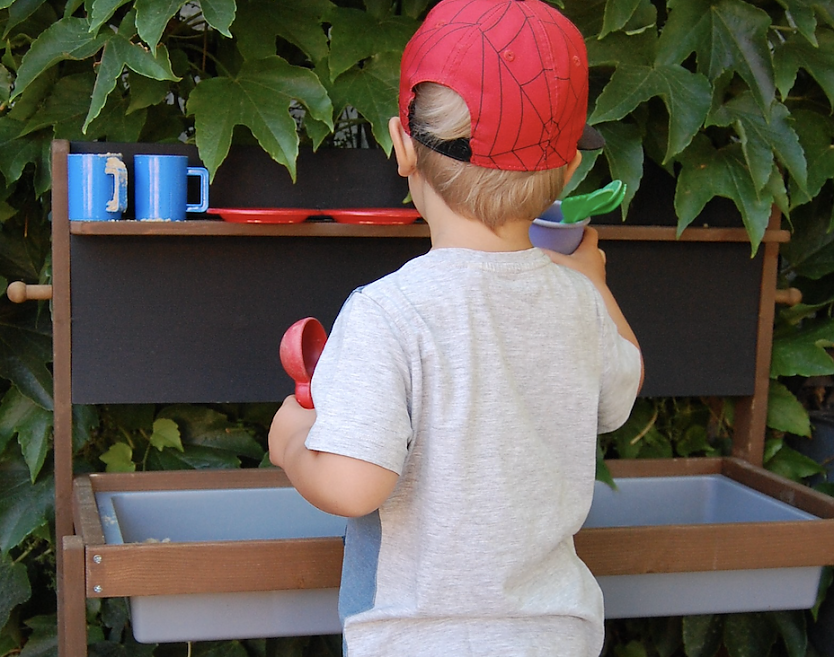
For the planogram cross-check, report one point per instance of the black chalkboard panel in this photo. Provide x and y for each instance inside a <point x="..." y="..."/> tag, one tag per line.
<point x="199" y="319"/>
<point x="694" y="307"/>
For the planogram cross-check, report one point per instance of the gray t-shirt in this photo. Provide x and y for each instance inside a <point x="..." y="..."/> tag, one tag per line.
<point x="482" y="379"/>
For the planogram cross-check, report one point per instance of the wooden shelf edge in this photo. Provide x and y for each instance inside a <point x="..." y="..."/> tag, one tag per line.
<point x="417" y="230"/>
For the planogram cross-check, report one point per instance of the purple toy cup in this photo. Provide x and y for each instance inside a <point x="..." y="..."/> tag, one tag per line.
<point x="548" y="231"/>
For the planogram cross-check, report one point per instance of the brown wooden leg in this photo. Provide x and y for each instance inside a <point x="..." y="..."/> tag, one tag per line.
<point x="72" y="600"/>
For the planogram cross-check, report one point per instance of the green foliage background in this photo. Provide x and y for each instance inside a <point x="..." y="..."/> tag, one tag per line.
<point x="732" y="98"/>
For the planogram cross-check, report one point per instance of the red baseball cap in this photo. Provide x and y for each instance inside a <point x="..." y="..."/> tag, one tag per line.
<point x="521" y="68"/>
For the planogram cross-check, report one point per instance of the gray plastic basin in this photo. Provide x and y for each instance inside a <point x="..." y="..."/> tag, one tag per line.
<point x="222" y="515"/>
<point x="697" y="500"/>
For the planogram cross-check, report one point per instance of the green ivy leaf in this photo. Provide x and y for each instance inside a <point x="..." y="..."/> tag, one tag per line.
<point x="811" y="249"/>
<point x="793" y="630"/>
<point x="761" y="138"/>
<point x="372" y="90"/>
<point x="14" y="587"/>
<point x="152" y="18"/>
<point x="119" y="458"/>
<point x="102" y="11"/>
<point x="748" y="635"/>
<point x="725" y="35"/>
<point x="801" y="14"/>
<point x="116" y="123"/>
<point x="687" y="97"/>
<point x="119" y="53"/>
<point x="816" y="134"/>
<point x="25" y="350"/>
<point x="300" y="23"/>
<point x="803" y="352"/>
<point x="630" y="16"/>
<point x="204" y="427"/>
<point x="707" y="173"/>
<point x="43" y="638"/>
<point x="259" y="97"/>
<point x="69" y="38"/>
<point x="789" y="463"/>
<point x="145" y="92"/>
<point x="220" y="14"/>
<point x="15" y="153"/>
<point x="64" y="109"/>
<point x="166" y="433"/>
<point x="413" y="8"/>
<point x="24" y="506"/>
<point x="356" y="35"/>
<point x="193" y="457"/>
<point x="818" y="61"/>
<point x="624" y="152"/>
<point x="702" y="635"/>
<point x="785" y="412"/>
<point x="32" y="425"/>
<point x="619" y="48"/>
<point x="84" y="420"/>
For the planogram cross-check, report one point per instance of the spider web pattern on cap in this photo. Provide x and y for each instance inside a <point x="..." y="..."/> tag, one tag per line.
<point x="521" y="68"/>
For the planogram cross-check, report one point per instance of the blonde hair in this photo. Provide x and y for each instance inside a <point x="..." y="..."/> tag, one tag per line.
<point x="491" y="196"/>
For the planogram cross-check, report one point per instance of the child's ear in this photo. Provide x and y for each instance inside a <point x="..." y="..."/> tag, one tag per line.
<point x="403" y="148"/>
<point x="572" y="166"/>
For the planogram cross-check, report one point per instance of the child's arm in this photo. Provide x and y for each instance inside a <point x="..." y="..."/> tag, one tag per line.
<point x="590" y="261"/>
<point x="336" y="484"/>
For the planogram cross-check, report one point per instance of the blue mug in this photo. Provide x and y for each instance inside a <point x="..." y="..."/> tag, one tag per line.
<point x="160" y="187"/>
<point x="96" y="186"/>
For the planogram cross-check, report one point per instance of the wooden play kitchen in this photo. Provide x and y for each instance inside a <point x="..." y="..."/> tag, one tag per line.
<point x="193" y="311"/>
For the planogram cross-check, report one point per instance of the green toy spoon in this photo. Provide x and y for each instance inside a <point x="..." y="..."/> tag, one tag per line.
<point x="576" y="208"/>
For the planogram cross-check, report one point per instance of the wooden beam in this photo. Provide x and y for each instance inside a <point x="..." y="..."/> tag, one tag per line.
<point x="213" y="567"/>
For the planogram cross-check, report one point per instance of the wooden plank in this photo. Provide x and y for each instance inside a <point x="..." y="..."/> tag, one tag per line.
<point x="85" y="512"/>
<point x="72" y="607"/>
<point x="213" y="567"/>
<point x="61" y="342"/>
<point x="188" y="479"/>
<point x="785" y="490"/>
<point x="751" y="412"/>
<point x="663" y="467"/>
<point x="334" y="229"/>
<point x="701" y="548"/>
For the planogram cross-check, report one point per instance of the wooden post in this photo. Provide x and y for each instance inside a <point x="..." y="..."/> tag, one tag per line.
<point x="751" y="412"/>
<point x="72" y="600"/>
<point x="68" y="584"/>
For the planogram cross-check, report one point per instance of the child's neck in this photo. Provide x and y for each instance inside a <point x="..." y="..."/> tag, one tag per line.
<point x="451" y="230"/>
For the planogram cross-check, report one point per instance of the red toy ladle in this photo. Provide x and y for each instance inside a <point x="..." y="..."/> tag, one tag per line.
<point x="300" y="350"/>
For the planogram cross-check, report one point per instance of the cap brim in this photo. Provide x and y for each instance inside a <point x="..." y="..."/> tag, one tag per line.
<point x="590" y="140"/>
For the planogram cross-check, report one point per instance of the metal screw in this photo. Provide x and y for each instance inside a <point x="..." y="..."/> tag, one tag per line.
<point x="97" y="588"/>
<point x="97" y="558"/>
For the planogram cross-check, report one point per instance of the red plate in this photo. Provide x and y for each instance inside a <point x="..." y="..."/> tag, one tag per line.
<point x="387" y="216"/>
<point x="264" y="215"/>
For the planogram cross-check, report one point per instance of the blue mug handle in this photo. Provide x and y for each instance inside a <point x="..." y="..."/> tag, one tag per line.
<point x="202" y="206"/>
<point x="116" y="167"/>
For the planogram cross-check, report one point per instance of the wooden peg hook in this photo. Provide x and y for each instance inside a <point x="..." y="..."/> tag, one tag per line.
<point x="18" y="292"/>
<point x="789" y="297"/>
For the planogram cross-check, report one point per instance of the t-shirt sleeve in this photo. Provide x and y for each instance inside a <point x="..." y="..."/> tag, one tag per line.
<point x="361" y="388"/>
<point x="621" y="367"/>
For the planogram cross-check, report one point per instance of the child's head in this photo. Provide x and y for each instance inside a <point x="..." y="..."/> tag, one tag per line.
<point x="494" y="94"/>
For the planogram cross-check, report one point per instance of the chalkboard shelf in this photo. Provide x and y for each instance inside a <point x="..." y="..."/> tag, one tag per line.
<point x="335" y="229"/>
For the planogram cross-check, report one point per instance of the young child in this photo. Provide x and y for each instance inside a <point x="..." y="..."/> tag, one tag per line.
<point x="458" y="400"/>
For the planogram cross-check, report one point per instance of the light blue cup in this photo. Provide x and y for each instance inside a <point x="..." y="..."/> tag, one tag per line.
<point x="549" y="232"/>
<point x="160" y="187"/>
<point x="97" y="186"/>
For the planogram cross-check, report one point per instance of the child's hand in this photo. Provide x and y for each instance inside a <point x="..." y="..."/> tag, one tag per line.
<point x="291" y="422"/>
<point x="588" y="259"/>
